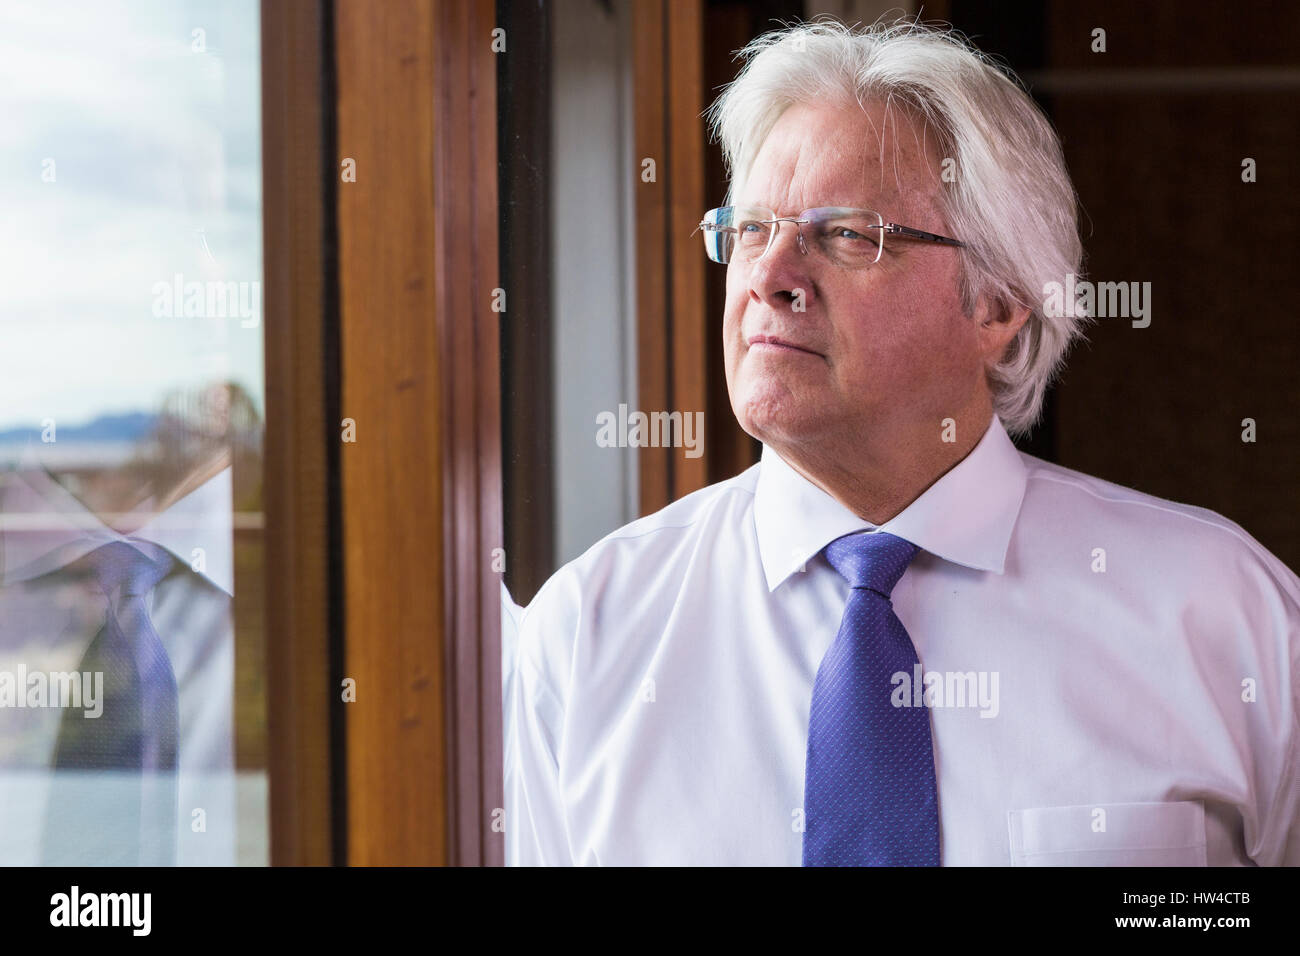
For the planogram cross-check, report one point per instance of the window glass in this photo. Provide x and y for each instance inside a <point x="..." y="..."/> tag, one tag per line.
<point x="132" y="703"/>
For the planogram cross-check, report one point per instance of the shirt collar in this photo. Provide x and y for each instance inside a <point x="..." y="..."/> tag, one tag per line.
<point x="965" y="517"/>
<point x="44" y="527"/>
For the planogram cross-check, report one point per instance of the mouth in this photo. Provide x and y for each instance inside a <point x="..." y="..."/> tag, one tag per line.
<point x="775" y="343"/>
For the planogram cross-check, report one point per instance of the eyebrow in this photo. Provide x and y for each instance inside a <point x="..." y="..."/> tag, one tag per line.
<point x="825" y="205"/>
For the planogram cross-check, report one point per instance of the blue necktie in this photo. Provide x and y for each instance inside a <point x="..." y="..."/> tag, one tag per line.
<point x="870" y="795"/>
<point x="113" y="799"/>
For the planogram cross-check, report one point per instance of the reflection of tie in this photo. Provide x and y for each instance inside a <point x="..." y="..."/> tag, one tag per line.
<point x="126" y="813"/>
<point x="870" y="796"/>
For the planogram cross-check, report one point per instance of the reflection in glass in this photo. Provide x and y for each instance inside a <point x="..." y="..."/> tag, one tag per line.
<point x="132" y="705"/>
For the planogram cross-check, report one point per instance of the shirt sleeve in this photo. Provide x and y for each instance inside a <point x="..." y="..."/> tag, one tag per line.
<point x="1289" y="789"/>
<point x="1281" y="845"/>
<point x="536" y="833"/>
<point x="1291" y="852"/>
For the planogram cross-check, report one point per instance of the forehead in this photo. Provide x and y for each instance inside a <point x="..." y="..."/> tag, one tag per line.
<point x="844" y="154"/>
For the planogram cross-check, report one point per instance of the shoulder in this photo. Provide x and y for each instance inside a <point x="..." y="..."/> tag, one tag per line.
<point x="1173" y="540"/>
<point x="644" y="544"/>
<point x="634" y="567"/>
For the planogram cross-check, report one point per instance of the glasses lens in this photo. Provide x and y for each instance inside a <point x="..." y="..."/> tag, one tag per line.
<point x="848" y="237"/>
<point x="736" y="232"/>
<point x="719" y="235"/>
<point x="753" y="231"/>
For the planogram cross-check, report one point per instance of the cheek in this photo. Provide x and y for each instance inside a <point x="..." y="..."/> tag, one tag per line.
<point x="944" y="353"/>
<point x="950" y="334"/>
<point x="737" y="292"/>
<point x="898" y="335"/>
<point x="732" y="318"/>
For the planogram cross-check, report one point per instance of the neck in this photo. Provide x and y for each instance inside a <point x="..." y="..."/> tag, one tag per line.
<point x="118" y="497"/>
<point x="877" y="475"/>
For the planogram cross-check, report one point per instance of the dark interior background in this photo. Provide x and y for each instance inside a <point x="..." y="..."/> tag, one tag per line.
<point x="1155" y="131"/>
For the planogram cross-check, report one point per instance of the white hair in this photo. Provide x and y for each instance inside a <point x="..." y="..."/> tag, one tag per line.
<point x="1011" y="201"/>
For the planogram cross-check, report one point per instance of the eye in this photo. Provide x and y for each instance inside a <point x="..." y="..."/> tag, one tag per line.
<point x="851" y="235"/>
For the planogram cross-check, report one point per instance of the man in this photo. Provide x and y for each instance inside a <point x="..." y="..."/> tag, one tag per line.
<point x="897" y="640"/>
<point x="117" y="659"/>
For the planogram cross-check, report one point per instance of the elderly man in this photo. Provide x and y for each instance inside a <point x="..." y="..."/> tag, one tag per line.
<point x="897" y="640"/>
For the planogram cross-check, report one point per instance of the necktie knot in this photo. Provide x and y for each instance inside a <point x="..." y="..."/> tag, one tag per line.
<point x="873" y="560"/>
<point x="119" y="564"/>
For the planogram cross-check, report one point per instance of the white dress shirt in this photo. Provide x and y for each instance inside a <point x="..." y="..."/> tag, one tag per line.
<point x="1139" y="663"/>
<point x="48" y="620"/>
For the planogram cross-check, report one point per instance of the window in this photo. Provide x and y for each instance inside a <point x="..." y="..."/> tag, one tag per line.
<point x="132" y="690"/>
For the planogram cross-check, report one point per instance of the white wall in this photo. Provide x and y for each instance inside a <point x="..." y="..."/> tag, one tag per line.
<point x="593" y="304"/>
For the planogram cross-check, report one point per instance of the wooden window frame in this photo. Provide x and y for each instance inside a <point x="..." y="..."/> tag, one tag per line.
<point x="298" y="287"/>
<point x="379" y="551"/>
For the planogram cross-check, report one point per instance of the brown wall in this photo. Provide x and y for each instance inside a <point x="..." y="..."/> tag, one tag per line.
<point x="1155" y="144"/>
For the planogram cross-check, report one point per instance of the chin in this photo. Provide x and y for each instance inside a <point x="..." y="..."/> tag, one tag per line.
<point x="776" y="417"/>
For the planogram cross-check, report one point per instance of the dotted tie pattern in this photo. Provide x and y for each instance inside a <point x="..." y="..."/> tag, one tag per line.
<point x="870" y="794"/>
<point x="133" y="742"/>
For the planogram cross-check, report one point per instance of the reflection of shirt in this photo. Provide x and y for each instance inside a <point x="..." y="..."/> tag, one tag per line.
<point x="49" y="617"/>
<point x="1137" y="661"/>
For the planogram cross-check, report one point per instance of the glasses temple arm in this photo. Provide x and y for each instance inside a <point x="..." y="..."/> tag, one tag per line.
<point x="895" y="229"/>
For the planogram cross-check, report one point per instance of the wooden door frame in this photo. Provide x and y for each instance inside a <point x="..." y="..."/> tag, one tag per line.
<point x="672" y="350"/>
<point x="298" y="284"/>
<point x="379" y="308"/>
<point x="421" y="486"/>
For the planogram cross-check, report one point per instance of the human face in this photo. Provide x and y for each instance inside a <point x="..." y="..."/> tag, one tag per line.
<point x="875" y="351"/>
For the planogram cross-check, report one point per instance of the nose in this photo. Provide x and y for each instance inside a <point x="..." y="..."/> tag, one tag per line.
<point x="781" y="276"/>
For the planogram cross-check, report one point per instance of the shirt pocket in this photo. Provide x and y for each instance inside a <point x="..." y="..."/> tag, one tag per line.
<point x="1109" y="834"/>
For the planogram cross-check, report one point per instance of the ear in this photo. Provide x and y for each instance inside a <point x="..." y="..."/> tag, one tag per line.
<point x="995" y="326"/>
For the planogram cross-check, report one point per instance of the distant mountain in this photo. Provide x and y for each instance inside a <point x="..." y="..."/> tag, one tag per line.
<point x="128" y="427"/>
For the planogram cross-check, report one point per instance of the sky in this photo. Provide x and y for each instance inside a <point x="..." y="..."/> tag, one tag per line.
<point x="156" y="151"/>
